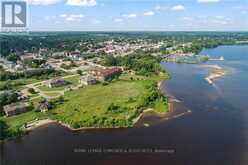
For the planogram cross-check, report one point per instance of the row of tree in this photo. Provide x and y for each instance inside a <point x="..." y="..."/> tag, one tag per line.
<point x="141" y="62"/>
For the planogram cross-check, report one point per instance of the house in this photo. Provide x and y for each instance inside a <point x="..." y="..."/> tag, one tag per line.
<point x="43" y="106"/>
<point x="87" y="80"/>
<point x="15" y="109"/>
<point x="56" y="82"/>
<point x="27" y="56"/>
<point x="105" y="74"/>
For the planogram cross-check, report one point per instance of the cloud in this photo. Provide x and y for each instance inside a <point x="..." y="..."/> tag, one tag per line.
<point x="219" y="17"/>
<point x="244" y="12"/>
<point x="62" y="15"/>
<point x="187" y="18"/>
<point x="131" y="15"/>
<point x="149" y="13"/>
<point x="43" y="2"/>
<point x="96" y="21"/>
<point x="208" y="1"/>
<point x="83" y="3"/>
<point x="71" y="17"/>
<point x="48" y="18"/>
<point x="178" y="8"/>
<point x="118" y="20"/>
<point x="158" y="7"/>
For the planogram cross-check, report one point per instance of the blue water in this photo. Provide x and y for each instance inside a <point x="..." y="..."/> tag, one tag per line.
<point x="215" y="133"/>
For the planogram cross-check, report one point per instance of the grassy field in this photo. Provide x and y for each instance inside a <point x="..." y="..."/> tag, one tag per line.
<point x="53" y="94"/>
<point x="16" y="122"/>
<point x="45" y="88"/>
<point x="161" y="106"/>
<point x="88" y="105"/>
<point x="113" y="105"/>
<point x="73" y="80"/>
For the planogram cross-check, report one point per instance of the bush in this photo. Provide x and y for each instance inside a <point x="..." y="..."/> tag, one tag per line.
<point x="105" y="83"/>
<point x="31" y="90"/>
<point x="79" y="72"/>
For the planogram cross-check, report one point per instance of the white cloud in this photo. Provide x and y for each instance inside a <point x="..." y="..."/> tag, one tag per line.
<point x="131" y="15"/>
<point x="48" y="18"/>
<point x="83" y="3"/>
<point x="118" y="20"/>
<point x="149" y="13"/>
<point x="71" y="17"/>
<point x="208" y="1"/>
<point x="96" y="21"/>
<point x="219" y="17"/>
<point x="221" y="22"/>
<point x="158" y="7"/>
<point x="178" y="8"/>
<point x="43" y="2"/>
<point x="63" y="15"/>
<point x="188" y="18"/>
<point x="244" y="12"/>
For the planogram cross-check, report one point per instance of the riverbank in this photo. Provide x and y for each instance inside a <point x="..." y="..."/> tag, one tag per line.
<point x="173" y="112"/>
<point x="39" y="123"/>
<point x="176" y="109"/>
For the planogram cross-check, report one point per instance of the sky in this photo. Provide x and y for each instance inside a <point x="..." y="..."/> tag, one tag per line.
<point x="138" y="15"/>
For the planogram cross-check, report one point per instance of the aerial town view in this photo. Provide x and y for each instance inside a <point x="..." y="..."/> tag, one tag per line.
<point x="94" y="82"/>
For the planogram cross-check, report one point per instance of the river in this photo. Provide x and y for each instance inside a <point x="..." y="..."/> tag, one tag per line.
<point x="214" y="133"/>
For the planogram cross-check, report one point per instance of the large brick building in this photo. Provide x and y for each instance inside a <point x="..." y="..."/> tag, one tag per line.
<point x="105" y="74"/>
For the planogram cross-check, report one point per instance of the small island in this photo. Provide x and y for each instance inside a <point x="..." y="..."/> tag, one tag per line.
<point x="215" y="72"/>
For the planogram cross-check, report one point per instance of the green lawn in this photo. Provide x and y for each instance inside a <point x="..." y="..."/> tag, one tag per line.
<point x="73" y="80"/>
<point x="48" y="89"/>
<point x="16" y="122"/>
<point x="161" y="106"/>
<point x="53" y="94"/>
<point x="19" y="84"/>
<point x="112" y="105"/>
<point x="83" y="105"/>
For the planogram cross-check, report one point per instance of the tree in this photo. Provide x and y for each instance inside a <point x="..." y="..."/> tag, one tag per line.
<point x="13" y="57"/>
<point x="110" y="60"/>
<point x="79" y="72"/>
<point x="31" y="90"/>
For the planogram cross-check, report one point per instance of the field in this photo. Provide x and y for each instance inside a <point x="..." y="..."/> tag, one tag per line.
<point x="85" y="107"/>
<point x="114" y="104"/>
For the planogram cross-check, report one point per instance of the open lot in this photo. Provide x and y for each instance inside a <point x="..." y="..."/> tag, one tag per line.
<point x="110" y="105"/>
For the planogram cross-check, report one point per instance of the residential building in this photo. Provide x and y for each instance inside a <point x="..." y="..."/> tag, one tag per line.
<point x="56" y="82"/>
<point x="15" y="109"/>
<point x="42" y="106"/>
<point x="87" y="80"/>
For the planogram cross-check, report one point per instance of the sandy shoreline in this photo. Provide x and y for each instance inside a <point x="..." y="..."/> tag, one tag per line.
<point x="215" y="72"/>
